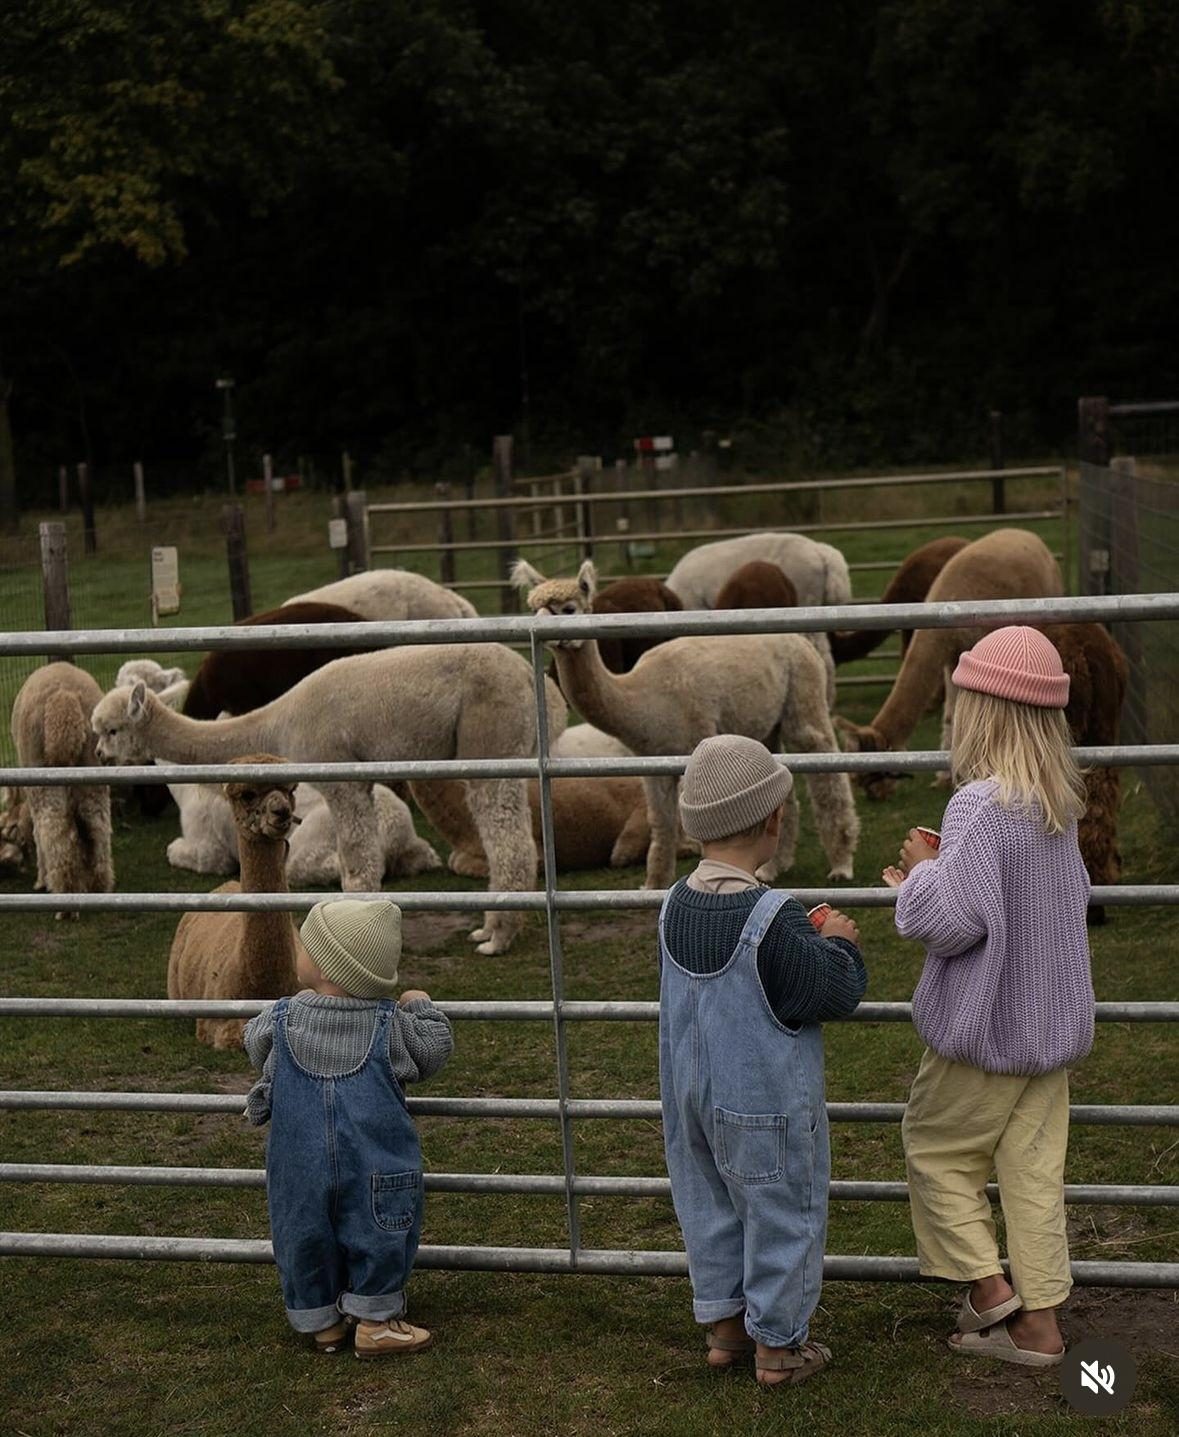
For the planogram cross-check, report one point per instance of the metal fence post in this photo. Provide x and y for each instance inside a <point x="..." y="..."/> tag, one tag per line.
<point x="556" y="967"/>
<point x="998" y="496"/>
<point x="501" y="459"/>
<point x="586" y="465"/>
<point x="445" y="537"/>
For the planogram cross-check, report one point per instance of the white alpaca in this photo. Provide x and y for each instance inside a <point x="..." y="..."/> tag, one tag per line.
<point x="769" y="687"/>
<point x="391" y="594"/>
<point x="818" y="572"/>
<point x="208" y="842"/>
<point x="583" y="740"/>
<point x="153" y="675"/>
<point x="415" y="702"/>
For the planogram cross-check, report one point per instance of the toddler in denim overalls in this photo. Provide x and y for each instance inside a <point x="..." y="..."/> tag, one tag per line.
<point x="343" y="1163"/>
<point x="745" y="981"/>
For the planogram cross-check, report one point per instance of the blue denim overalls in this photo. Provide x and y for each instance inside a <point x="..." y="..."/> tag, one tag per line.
<point x="745" y="1132"/>
<point x="344" y="1185"/>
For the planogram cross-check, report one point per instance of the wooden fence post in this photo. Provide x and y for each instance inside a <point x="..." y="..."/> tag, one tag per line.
<point x="998" y="494"/>
<point x="709" y="468"/>
<point x="501" y="459"/>
<point x="356" y="511"/>
<point x="89" y="537"/>
<point x="268" y="485"/>
<point x="1093" y="430"/>
<point x="233" y="521"/>
<point x="140" y="493"/>
<point x="1093" y="517"/>
<point x="346" y="468"/>
<point x="63" y="489"/>
<point x="445" y="536"/>
<point x="55" y="580"/>
<point x="339" y="512"/>
<point x="586" y="465"/>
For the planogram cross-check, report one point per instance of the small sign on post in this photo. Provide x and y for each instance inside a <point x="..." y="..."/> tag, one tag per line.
<point x="165" y="582"/>
<point x="337" y="533"/>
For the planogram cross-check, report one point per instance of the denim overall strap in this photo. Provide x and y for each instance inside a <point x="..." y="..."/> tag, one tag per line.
<point x="766" y="909"/>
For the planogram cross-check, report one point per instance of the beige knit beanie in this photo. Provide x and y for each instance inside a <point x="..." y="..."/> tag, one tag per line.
<point x="730" y="784"/>
<point x="356" y="944"/>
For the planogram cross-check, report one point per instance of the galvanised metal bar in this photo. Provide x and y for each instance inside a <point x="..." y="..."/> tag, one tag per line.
<point x="556" y="966"/>
<point x="484" y="1011"/>
<point x="539" y="1184"/>
<point x="519" y="628"/>
<point x="1103" y="1115"/>
<point x="1158" y="406"/>
<point x="606" y="1261"/>
<point x="1127" y="895"/>
<point x="899" y="761"/>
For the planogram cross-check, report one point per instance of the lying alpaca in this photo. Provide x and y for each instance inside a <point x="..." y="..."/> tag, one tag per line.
<point x="154" y="675"/>
<point x="236" y="681"/>
<point x="596" y="822"/>
<point x="208" y="842"/>
<point x="909" y="585"/>
<point x="71" y="827"/>
<point x="632" y="596"/>
<point x="417" y="702"/>
<point x="757" y="585"/>
<point x="242" y="955"/>
<point x="771" y="687"/>
<point x="583" y="740"/>
<point x="391" y="594"/>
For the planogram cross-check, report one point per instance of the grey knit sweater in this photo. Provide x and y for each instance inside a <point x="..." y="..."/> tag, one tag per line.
<point x="330" y="1036"/>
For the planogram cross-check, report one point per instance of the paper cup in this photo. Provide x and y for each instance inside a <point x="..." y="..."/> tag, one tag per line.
<point x="818" y="915"/>
<point x="931" y="836"/>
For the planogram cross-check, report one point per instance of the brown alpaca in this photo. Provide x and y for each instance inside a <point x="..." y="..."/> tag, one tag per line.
<point x="71" y="827"/>
<point x="242" y="955"/>
<point x="632" y="596"/>
<point x="237" y="681"/>
<point x="757" y="585"/>
<point x="16" y="831"/>
<point x="909" y="585"/>
<point x="597" y="822"/>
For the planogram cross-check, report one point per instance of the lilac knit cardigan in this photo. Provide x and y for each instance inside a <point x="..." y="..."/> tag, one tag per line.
<point x="1006" y="985"/>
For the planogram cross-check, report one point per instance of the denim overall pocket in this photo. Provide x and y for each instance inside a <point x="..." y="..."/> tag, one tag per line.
<point x="750" y="1147"/>
<point x="396" y="1198"/>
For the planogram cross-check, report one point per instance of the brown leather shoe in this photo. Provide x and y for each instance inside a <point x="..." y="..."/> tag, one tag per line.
<point x="388" y="1339"/>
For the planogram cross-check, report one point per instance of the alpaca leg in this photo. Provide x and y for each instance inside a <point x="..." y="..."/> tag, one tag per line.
<point x="661" y="792"/>
<point x="352" y="811"/>
<point x="413" y="858"/>
<point x="504" y="821"/>
<point x="783" y="859"/>
<point x="92" y="814"/>
<point x="467" y="863"/>
<point x="55" y="835"/>
<point x="634" y="839"/>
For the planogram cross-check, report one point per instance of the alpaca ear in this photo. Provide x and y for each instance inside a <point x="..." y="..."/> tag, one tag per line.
<point x="138" y="701"/>
<point x="523" y="576"/>
<point x="587" y="579"/>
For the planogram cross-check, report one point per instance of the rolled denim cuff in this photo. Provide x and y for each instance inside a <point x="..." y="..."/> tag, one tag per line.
<point x="374" y="1309"/>
<point x="313" y="1319"/>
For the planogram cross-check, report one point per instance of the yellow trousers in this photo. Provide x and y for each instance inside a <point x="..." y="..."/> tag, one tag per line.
<point x="959" y="1123"/>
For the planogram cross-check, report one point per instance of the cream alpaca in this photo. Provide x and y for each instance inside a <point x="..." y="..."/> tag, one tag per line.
<point x="769" y="687"/>
<point x="391" y="594"/>
<point x="416" y="702"/>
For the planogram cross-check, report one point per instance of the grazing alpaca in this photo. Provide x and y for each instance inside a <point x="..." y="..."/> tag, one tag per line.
<point x="909" y="585"/>
<point x="208" y="842"/>
<point x="597" y="822"/>
<point x="418" y="702"/>
<point x="71" y="827"/>
<point x="242" y="955"/>
<point x="391" y="594"/>
<point x="770" y="687"/>
<point x="632" y="596"/>
<point x="757" y="585"/>
<point x="818" y="572"/>
<point x="236" y="681"/>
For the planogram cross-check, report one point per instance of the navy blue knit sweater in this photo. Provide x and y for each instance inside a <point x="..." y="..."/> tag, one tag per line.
<point x="807" y="979"/>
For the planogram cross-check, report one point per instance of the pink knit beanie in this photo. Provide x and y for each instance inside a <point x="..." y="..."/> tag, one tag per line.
<point x="1015" y="663"/>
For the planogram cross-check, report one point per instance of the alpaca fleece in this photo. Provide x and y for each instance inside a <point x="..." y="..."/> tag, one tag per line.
<point x="909" y="585"/>
<point x="632" y="596"/>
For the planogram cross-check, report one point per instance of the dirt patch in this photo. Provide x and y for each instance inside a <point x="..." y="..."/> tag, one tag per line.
<point x="430" y="932"/>
<point x="640" y="923"/>
<point x="1146" y="1322"/>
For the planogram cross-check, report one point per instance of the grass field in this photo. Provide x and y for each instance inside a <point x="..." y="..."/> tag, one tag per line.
<point x="121" y="1348"/>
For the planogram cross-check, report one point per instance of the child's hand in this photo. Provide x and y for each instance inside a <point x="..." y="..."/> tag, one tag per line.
<point x="893" y="877"/>
<point x="839" y="925"/>
<point x="411" y="993"/>
<point x="915" y="850"/>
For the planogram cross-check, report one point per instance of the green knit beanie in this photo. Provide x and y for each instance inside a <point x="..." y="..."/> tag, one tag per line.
<point x="356" y="944"/>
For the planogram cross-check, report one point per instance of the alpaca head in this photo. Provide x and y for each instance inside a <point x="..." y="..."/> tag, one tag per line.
<point x="156" y="678"/>
<point x="557" y="596"/>
<point x="260" y="809"/>
<point x="119" y="722"/>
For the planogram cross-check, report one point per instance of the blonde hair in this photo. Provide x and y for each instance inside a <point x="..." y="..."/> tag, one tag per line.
<point x="1025" y="749"/>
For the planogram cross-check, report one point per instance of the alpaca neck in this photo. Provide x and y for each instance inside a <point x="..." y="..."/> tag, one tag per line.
<point x="270" y="937"/>
<point x="606" y="700"/>
<point x="916" y="685"/>
<point x="177" y="739"/>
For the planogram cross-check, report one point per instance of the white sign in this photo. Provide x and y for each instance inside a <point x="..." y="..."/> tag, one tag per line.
<point x="338" y="533"/>
<point x="165" y="582"/>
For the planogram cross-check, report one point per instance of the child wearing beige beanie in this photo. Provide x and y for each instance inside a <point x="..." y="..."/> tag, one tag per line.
<point x="343" y="1162"/>
<point x="745" y="983"/>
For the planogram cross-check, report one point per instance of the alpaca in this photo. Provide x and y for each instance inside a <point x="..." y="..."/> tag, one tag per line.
<point x="757" y="585"/>
<point x="235" y="681"/>
<point x="153" y="799"/>
<point x="597" y="822"/>
<point x="154" y="675"/>
<point x="242" y="955"/>
<point x="16" y="832"/>
<point x="632" y="596"/>
<point x="818" y="572"/>
<point x="391" y="594"/>
<point x="583" y="740"/>
<point x="430" y="701"/>
<point x="208" y="842"/>
<point x="71" y="826"/>
<point x="770" y="687"/>
<point x="909" y="585"/>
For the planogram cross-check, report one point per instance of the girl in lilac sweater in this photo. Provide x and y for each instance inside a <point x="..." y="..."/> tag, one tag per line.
<point x="1005" y="1002"/>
